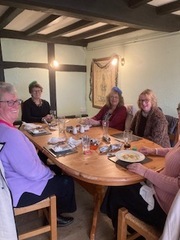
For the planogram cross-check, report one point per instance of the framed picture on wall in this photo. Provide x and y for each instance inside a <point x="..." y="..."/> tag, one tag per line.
<point x="104" y="74"/>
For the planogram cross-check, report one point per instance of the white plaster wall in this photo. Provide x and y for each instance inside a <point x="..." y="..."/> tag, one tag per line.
<point x="70" y="85"/>
<point x="21" y="78"/>
<point x="70" y="54"/>
<point x="154" y="64"/>
<point x="70" y="93"/>
<point x="24" y="51"/>
<point x="151" y="61"/>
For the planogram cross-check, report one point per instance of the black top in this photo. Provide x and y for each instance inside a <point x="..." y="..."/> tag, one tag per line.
<point x="142" y="126"/>
<point x="33" y="113"/>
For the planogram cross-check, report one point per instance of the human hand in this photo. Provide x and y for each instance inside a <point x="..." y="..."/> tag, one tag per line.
<point x="92" y="122"/>
<point x="146" y="151"/>
<point x="48" y="118"/>
<point x="137" y="168"/>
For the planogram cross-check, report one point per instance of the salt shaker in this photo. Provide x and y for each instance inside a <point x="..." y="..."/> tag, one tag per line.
<point x="74" y="130"/>
<point x="81" y="129"/>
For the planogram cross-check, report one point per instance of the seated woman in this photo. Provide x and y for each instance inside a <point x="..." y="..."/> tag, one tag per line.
<point x="29" y="180"/>
<point x="35" y="109"/>
<point x="161" y="189"/>
<point x="172" y="225"/>
<point x="150" y="122"/>
<point x="114" y="111"/>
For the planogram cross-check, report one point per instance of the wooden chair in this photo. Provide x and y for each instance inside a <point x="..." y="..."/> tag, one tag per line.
<point x="48" y="206"/>
<point x="126" y="219"/>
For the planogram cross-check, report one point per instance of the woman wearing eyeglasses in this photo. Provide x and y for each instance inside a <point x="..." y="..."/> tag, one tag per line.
<point x="29" y="180"/>
<point x="150" y="122"/>
<point x="114" y="111"/>
<point x="36" y="109"/>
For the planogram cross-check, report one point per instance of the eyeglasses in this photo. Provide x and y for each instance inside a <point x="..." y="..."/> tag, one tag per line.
<point x="11" y="103"/>
<point x="144" y="100"/>
<point x="36" y="91"/>
<point x="114" y="97"/>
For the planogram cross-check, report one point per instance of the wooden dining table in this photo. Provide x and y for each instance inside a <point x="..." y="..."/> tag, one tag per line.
<point x="94" y="171"/>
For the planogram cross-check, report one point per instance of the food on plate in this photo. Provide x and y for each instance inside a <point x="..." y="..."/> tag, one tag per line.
<point x="132" y="157"/>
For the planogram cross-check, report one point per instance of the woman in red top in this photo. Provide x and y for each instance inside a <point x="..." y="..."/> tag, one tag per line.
<point x="114" y="111"/>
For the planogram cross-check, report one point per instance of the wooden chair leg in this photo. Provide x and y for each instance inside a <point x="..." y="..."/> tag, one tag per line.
<point x="122" y="226"/>
<point x="53" y="218"/>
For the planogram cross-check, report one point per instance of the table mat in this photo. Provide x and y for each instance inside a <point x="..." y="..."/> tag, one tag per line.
<point x="39" y="134"/>
<point x="125" y="164"/>
<point x="60" y="153"/>
<point x="120" y="136"/>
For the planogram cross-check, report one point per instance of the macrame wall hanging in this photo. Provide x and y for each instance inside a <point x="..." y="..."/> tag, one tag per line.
<point x="103" y="76"/>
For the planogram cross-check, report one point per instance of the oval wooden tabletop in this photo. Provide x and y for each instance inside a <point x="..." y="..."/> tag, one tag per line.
<point x="95" y="167"/>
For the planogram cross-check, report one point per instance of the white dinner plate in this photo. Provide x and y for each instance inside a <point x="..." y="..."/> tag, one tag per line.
<point x="130" y="156"/>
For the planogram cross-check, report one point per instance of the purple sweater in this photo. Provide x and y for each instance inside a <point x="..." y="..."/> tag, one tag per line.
<point x="24" y="171"/>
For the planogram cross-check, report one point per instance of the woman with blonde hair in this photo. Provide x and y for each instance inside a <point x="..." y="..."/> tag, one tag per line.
<point x="150" y="122"/>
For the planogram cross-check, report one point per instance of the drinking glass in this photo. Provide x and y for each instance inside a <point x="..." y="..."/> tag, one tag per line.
<point x="61" y="127"/>
<point x="86" y="144"/>
<point x="53" y="119"/>
<point x="127" y="137"/>
<point x="105" y="125"/>
<point x="53" y="113"/>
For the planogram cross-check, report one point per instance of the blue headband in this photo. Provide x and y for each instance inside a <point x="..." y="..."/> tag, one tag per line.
<point x="116" y="89"/>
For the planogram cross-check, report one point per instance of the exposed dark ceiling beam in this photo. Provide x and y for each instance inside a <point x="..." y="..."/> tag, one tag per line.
<point x="93" y="32"/>
<point x="62" y="67"/>
<point x="8" y="16"/>
<point x="112" y="12"/>
<point x="41" y="25"/>
<point x="112" y="34"/>
<point x="71" y="28"/>
<point x="168" y="8"/>
<point x="40" y="38"/>
<point x="137" y="3"/>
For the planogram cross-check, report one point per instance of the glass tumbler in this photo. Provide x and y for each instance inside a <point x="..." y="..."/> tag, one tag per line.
<point x="127" y="137"/>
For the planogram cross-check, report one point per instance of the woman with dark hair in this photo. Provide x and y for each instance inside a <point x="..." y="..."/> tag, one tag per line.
<point x="150" y="122"/>
<point x="36" y="109"/>
<point x="114" y="111"/>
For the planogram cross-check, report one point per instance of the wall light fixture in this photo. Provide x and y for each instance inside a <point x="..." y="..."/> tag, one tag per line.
<point x="55" y="64"/>
<point x="122" y="61"/>
<point x="114" y="61"/>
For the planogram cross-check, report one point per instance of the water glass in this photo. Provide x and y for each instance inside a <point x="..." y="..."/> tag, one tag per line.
<point x="61" y="127"/>
<point x="127" y="137"/>
<point x="86" y="144"/>
<point x="53" y="119"/>
<point x="105" y="125"/>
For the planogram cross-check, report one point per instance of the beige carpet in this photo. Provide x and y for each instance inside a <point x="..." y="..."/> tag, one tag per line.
<point x="80" y="228"/>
